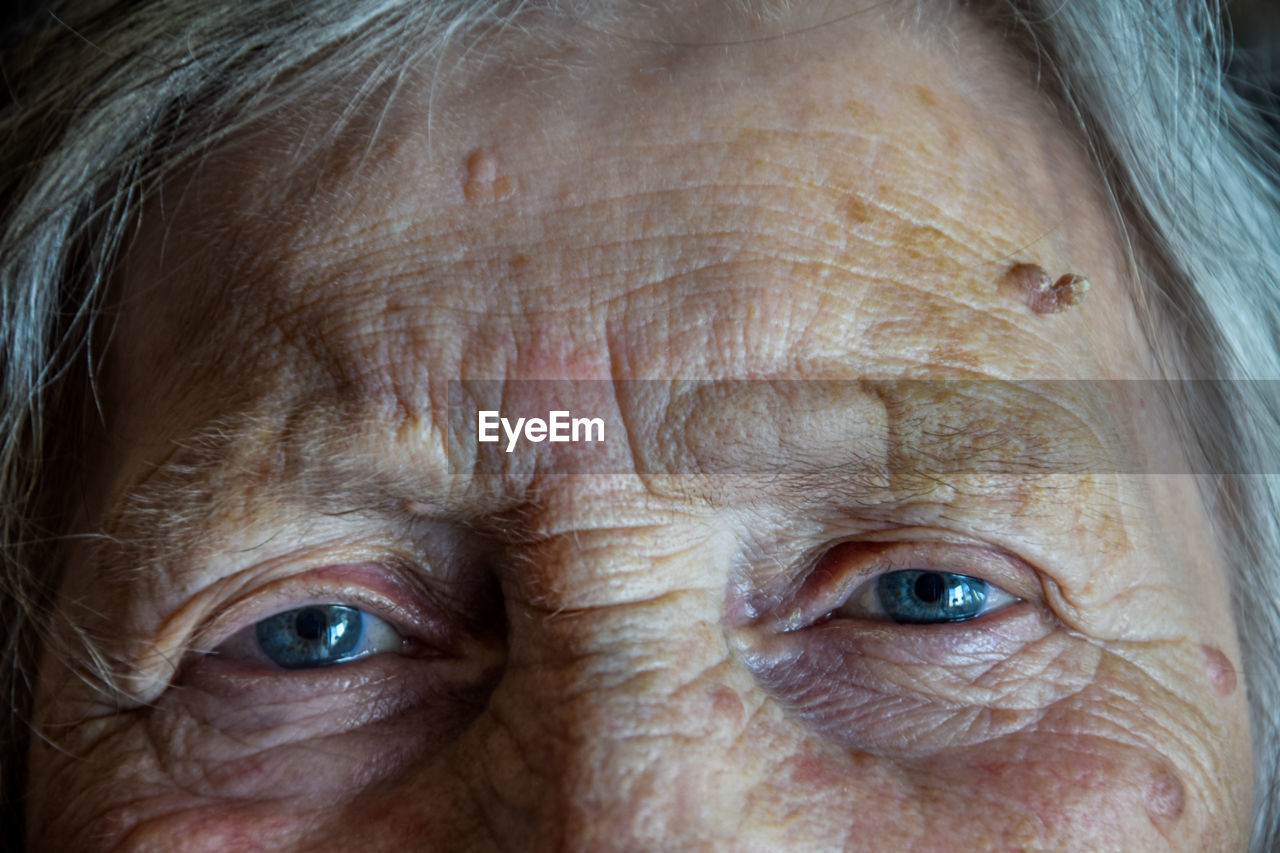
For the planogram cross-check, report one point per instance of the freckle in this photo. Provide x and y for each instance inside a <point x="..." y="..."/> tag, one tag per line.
<point x="926" y="96"/>
<point x="644" y="81"/>
<point x="1218" y="668"/>
<point x="856" y="210"/>
<point x="1166" y="797"/>
<point x="859" y="111"/>
<point x="518" y="262"/>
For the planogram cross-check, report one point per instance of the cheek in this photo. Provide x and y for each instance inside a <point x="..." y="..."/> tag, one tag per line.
<point x="438" y="815"/>
<point x="221" y="758"/>
<point x="1048" y="787"/>
<point x="906" y="694"/>
<point x="1061" y="791"/>
<point x="1038" y="791"/>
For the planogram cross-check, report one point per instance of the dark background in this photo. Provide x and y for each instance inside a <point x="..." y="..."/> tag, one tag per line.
<point x="1255" y="61"/>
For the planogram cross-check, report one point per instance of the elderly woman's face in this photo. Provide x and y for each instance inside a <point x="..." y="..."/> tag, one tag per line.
<point x="852" y="610"/>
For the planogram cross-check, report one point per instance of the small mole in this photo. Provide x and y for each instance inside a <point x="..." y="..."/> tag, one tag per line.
<point x="1042" y="294"/>
<point x="857" y="211"/>
<point x="727" y="705"/>
<point x="1166" y="796"/>
<point x="1218" y="668"/>
<point x="482" y="181"/>
<point x="926" y="96"/>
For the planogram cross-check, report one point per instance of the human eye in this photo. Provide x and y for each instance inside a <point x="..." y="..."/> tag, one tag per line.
<point x="925" y="596"/>
<point x="905" y="646"/>
<point x="382" y="658"/>
<point x="313" y="631"/>
<point x="910" y="585"/>
<point x="317" y="635"/>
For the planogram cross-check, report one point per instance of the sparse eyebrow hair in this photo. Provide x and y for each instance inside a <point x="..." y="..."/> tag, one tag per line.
<point x="941" y="433"/>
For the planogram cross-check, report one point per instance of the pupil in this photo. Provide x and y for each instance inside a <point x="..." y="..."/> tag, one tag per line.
<point x="311" y="624"/>
<point x="929" y="587"/>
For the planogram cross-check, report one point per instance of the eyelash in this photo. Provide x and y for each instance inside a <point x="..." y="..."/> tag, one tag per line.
<point x="376" y="592"/>
<point x="355" y="628"/>
<point x="848" y="580"/>
<point x="877" y="597"/>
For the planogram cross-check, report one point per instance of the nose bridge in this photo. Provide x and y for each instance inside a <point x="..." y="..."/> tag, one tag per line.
<point x="620" y="694"/>
<point x="630" y="739"/>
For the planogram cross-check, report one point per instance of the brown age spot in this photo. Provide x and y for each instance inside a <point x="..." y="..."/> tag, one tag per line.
<point x="859" y="111"/>
<point x="1218" y="669"/>
<point x="1042" y="294"/>
<point x="857" y="211"/>
<point x="644" y="81"/>
<point x="926" y="96"/>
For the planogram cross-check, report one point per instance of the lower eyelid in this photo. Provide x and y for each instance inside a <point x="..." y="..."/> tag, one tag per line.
<point x="902" y="690"/>
<point x="793" y="656"/>
<point x="399" y="680"/>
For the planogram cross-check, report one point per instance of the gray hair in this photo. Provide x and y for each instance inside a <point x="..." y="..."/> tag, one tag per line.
<point x="109" y="98"/>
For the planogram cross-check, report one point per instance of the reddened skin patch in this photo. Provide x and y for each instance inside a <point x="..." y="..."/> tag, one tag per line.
<point x="1219" y="670"/>
<point x="1165" y="796"/>
<point x="1042" y="294"/>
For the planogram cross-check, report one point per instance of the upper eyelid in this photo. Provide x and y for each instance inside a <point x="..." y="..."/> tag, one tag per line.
<point x="826" y="587"/>
<point x="379" y="592"/>
<point x="209" y="586"/>
<point x="247" y="638"/>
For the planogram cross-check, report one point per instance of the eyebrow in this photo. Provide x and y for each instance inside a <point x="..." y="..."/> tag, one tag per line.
<point x="974" y="434"/>
<point x="945" y="437"/>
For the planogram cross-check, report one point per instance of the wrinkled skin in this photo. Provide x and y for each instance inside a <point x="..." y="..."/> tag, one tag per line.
<point x="642" y="656"/>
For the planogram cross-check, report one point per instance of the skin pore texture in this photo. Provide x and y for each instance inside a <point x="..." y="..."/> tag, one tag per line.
<point x="670" y="651"/>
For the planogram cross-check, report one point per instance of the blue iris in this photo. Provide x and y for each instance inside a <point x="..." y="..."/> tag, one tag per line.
<point x="921" y="597"/>
<point x="318" y="635"/>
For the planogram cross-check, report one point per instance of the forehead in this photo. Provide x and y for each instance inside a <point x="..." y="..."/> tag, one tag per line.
<point x="568" y="202"/>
